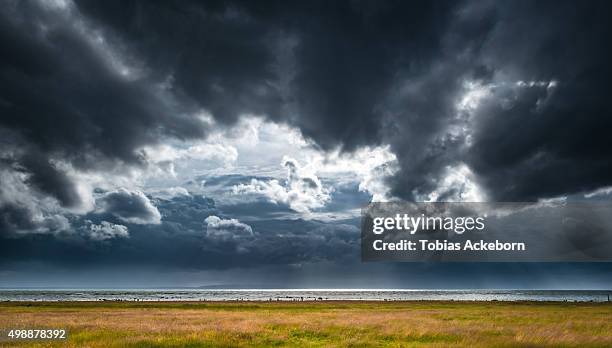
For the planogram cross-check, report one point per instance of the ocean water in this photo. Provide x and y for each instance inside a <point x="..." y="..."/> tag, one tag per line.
<point x="303" y="295"/>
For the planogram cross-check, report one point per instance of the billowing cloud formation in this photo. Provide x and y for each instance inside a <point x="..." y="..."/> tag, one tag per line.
<point x="302" y="191"/>
<point x="107" y="230"/>
<point x="129" y="206"/>
<point x="361" y="74"/>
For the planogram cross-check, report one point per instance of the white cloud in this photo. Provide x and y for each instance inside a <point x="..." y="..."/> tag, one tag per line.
<point x="200" y="151"/>
<point x="504" y="90"/>
<point x="458" y="184"/>
<point x="226" y="229"/>
<point x="604" y="191"/>
<point x="474" y="93"/>
<point x="302" y="191"/>
<point x="170" y="192"/>
<point x="107" y="230"/>
<point x="370" y="166"/>
<point x="261" y="145"/>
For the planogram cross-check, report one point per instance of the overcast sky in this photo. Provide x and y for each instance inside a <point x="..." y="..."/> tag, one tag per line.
<point x="233" y="143"/>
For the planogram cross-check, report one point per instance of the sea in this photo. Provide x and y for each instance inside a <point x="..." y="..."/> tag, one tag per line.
<point x="302" y="295"/>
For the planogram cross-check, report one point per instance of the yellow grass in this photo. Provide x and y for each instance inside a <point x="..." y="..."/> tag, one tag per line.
<point x="315" y="324"/>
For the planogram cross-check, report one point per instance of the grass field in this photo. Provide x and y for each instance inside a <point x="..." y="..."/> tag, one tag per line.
<point x="314" y="324"/>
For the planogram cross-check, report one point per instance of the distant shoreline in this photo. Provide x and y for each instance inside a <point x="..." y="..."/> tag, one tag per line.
<point x="304" y="295"/>
<point x="288" y="302"/>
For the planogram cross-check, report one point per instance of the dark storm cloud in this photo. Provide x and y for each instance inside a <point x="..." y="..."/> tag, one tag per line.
<point x="550" y="140"/>
<point x="218" y="53"/>
<point x="542" y="131"/>
<point x="542" y="138"/>
<point x="48" y="179"/>
<point x="65" y="95"/>
<point x="324" y="67"/>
